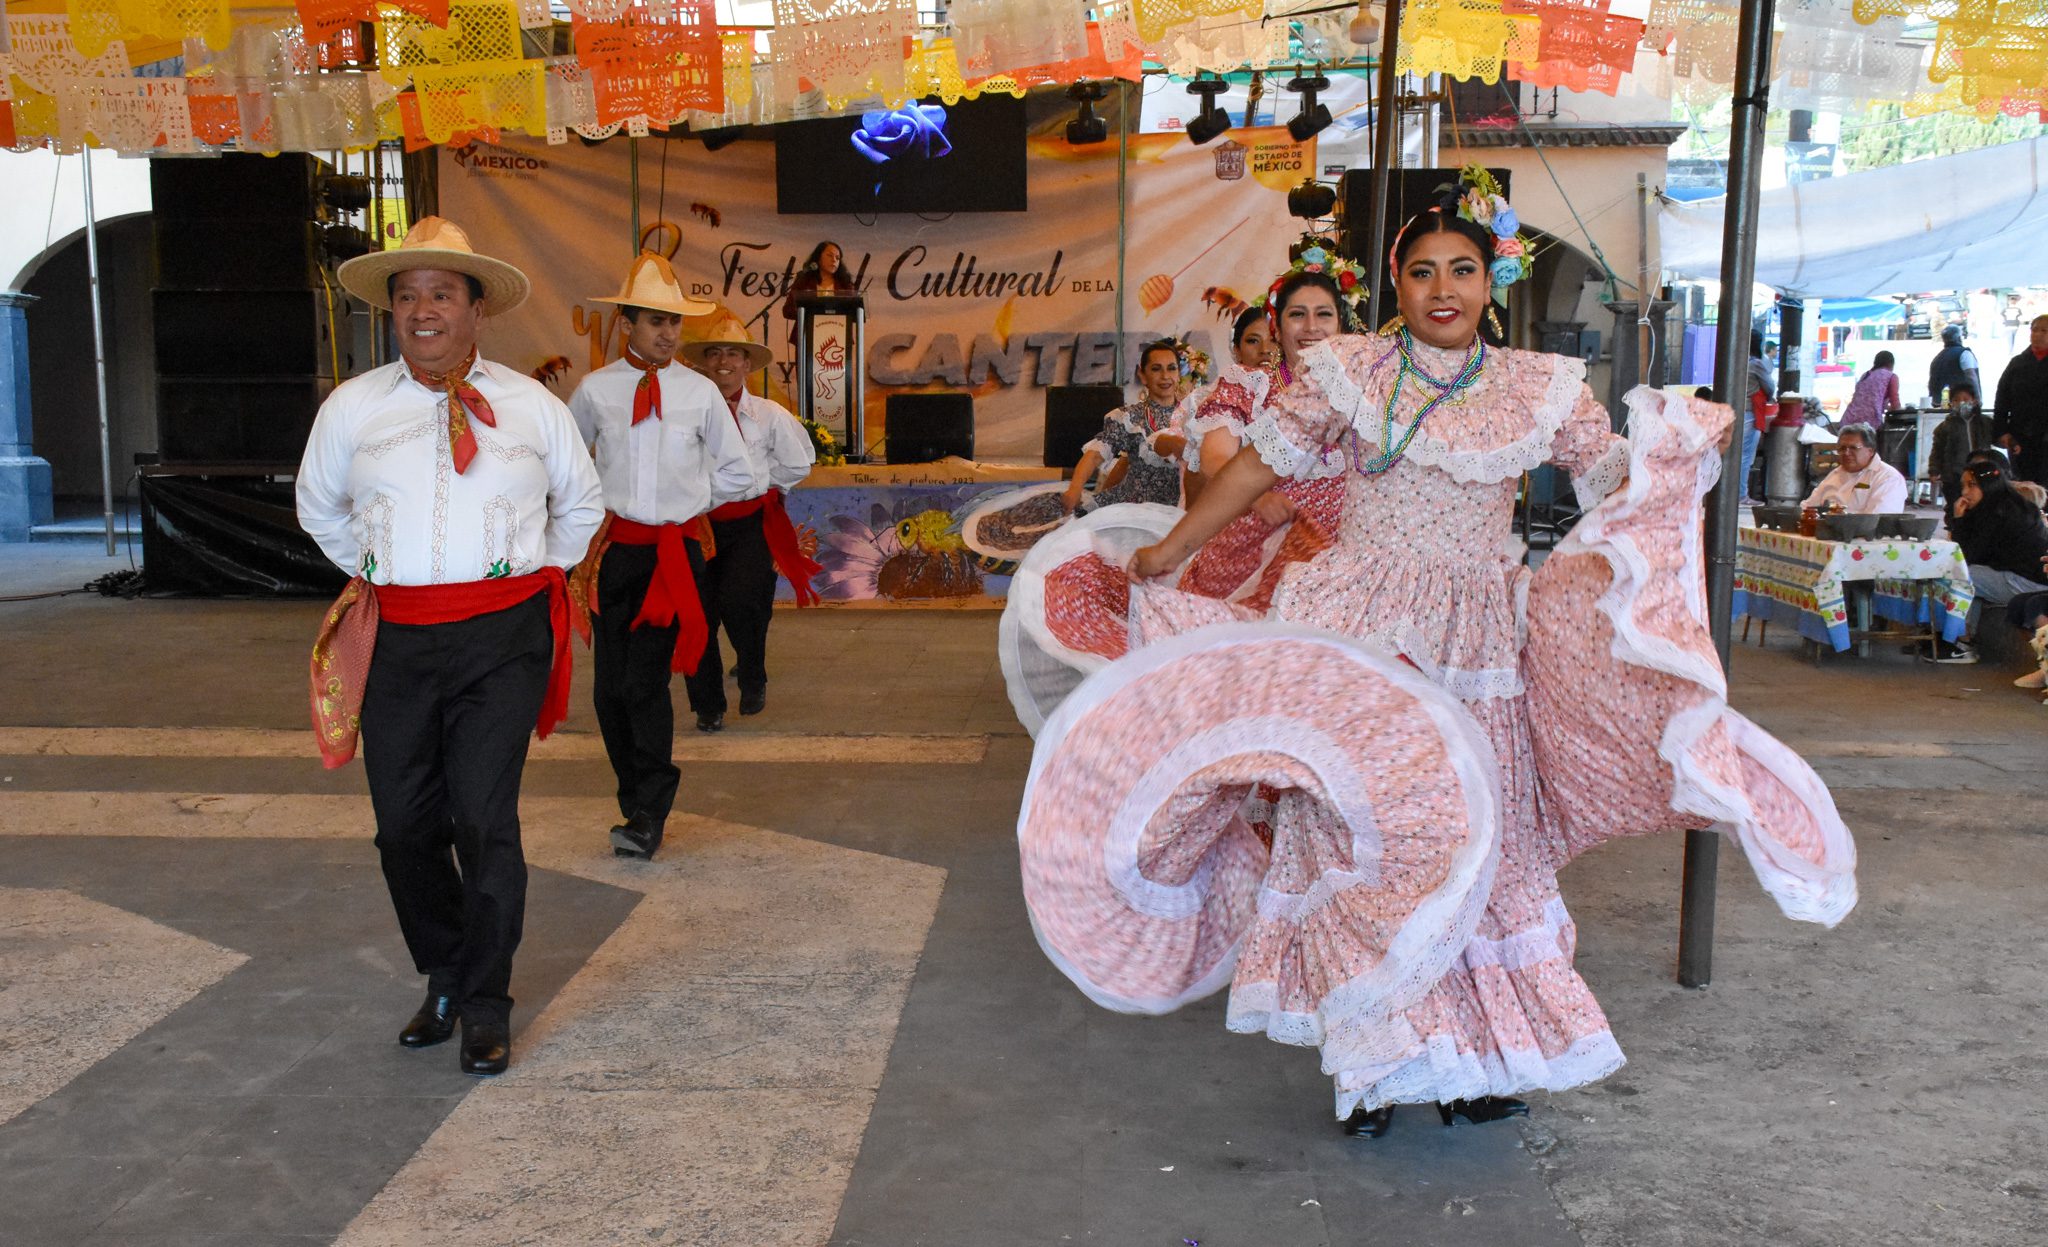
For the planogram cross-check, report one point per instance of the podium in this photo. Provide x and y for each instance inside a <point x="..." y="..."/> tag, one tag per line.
<point x="831" y="377"/>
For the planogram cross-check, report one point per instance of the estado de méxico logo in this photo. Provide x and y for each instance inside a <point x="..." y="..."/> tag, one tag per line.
<point x="485" y="160"/>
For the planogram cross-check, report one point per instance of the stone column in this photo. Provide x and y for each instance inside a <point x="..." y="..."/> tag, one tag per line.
<point x="24" y="479"/>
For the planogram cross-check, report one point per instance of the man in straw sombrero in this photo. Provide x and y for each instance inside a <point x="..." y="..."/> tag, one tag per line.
<point x="665" y="447"/>
<point x="454" y="491"/>
<point x="751" y="530"/>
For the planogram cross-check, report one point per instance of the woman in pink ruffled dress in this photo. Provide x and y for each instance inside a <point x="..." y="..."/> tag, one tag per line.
<point x="1351" y="809"/>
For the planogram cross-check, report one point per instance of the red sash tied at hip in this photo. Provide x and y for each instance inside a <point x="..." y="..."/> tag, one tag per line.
<point x="672" y="593"/>
<point x="348" y="640"/>
<point x="783" y="547"/>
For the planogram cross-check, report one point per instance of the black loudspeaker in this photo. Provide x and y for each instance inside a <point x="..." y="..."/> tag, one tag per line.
<point x="1073" y="416"/>
<point x="238" y="255"/>
<point x="919" y="428"/>
<point x="235" y="187"/>
<point x="243" y="333"/>
<point x="1413" y="190"/>
<point x="235" y="419"/>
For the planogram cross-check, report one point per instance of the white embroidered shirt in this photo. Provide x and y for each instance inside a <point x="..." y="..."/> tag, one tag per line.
<point x="378" y="490"/>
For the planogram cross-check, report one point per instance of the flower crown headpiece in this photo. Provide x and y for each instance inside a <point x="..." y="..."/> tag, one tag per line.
<point x="1348" y="275"/>
<point x="1482" y="202"/>
<point x="1191" y="360"/>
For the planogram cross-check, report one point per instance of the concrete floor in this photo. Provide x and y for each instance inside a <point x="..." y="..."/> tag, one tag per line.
<point x="821" y="1017"/>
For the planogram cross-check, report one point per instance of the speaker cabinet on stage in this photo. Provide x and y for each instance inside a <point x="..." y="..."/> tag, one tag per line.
<point x="1073" y="416"/>
<point x="248" y="333"/>
<point x="1413" y="190"/>
<point x="246" y="340"/>
<point x="919" y="428"/>
<point x="237" y="420"/>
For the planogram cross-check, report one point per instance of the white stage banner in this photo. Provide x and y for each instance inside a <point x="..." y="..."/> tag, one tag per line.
<point x="1001" y="305"/>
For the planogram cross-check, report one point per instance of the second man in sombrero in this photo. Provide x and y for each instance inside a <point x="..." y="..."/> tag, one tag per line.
<point x="665" y="448"/>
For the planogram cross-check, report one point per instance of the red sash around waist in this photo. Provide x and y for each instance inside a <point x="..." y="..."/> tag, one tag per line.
<point x="348" y="640"/>
<point x="672" y="593"/>
<point x="783" y="547"/>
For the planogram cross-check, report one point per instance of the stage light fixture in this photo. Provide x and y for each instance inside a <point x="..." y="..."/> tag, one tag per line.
<point x="1086" y="127"/>
<point x="1314" y="116"/>
<point x="1212" y="120"/>
<point x="344" y="242"/>
<point x="1311" y="200"/>
<point x="722" y="136"/>
<point x="345" y="192"/>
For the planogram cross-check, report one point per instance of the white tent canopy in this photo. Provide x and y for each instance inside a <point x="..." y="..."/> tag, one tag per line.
<point x="1960" y="222"/>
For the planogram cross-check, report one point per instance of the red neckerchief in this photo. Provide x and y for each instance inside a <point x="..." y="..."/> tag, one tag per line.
<point x="2037" y="353"/>
<point x="647" y="394"/>
<point x="733" y="405"/>
<point x="464" y="401"/>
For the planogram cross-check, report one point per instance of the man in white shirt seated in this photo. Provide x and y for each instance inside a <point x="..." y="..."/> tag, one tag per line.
<point x="665" y="450"/>
<point x="454" y="491"/>
<point x="1864" y="484"/>
<point x="753" y="535"/>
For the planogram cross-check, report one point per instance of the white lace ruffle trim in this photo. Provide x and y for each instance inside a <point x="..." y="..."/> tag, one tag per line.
<point x="1471" y="465"/>
<point x="1441" y="1073"/>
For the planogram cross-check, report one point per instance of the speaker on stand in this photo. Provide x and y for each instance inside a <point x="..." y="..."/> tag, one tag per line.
<point x="922" y="428"/>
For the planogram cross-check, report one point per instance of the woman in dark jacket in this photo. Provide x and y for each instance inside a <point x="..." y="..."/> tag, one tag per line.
<point x="823" y="273"/>
<point x="2004" y="539"/>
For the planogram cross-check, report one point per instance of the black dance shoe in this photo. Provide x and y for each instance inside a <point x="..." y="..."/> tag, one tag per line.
<point x="432" y="1024"/>
<point x="1369" y="1123"/>
<point x="639" y="836"/>
<point x="754" y="702"/>
<point x="1484" y="1109"/>
<point x="711" y="722"/>
<point x="486" y="1048"/>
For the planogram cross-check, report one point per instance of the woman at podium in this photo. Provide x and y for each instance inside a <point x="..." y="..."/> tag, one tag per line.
<point x="821" y="274"/>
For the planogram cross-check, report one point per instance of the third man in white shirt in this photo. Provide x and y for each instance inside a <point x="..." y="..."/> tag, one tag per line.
<point x="1864" y="484"/>
<point x="752" y="532"/>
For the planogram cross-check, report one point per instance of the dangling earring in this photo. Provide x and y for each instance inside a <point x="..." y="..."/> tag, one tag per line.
<point x="1394" y="326"/>
<point x="1494" y="323"/>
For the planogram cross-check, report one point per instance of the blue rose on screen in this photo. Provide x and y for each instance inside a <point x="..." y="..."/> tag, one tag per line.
<point x="1505" y="272"/>
<point x="915" y="132"/>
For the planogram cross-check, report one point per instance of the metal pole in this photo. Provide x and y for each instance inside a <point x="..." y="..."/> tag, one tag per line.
<point x="1123" y="151"/>
<point x="1432" y="120"/>
<point x="1642" y="280"/>
<point x="633" y="176"/>
<point x="1731" y="366"/>
<point x="99" y="349"/>
<point x="1386" y="150"/>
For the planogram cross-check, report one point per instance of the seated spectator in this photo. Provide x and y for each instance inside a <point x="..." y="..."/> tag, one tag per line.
<point x="2029" y="613"/>
<point x="2004" y="539"/>
<point x="1963" y="433"/>
<point x="1863" y="484"/>
<point x="1877" y="392"/>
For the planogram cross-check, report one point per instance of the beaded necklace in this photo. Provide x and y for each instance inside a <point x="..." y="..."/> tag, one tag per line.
<point x="1389" y="455"/>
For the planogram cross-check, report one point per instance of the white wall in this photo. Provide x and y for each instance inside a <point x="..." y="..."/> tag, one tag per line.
<point x="44" y="203"/>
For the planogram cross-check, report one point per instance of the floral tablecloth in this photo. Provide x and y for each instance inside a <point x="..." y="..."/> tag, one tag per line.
<point x="1786" y="578"/>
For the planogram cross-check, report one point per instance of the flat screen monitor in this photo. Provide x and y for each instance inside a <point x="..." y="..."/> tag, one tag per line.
<point x="964" y="157"/>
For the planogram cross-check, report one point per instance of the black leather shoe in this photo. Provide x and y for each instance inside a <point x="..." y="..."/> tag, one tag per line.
<point x="1484" y="1109"/>
<point x="639" y="836"/>
<point x="711" y="722"/>
<point x="1369" y="1123"/>
<point x="432" y="1024"/>
<point x="486" y="1048"/>
<point x="754" y="702"/>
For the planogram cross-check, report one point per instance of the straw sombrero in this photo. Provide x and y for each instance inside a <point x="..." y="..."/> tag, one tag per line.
<point x="651" y="283"/>
<point x="436" y="244"/>
<point x="728" y="332"/>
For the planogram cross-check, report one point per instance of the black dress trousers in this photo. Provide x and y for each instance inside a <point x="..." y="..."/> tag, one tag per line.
<point x="448" y="710"/>
<point x="635" y="712"/>
<point x="742" y="595"/>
